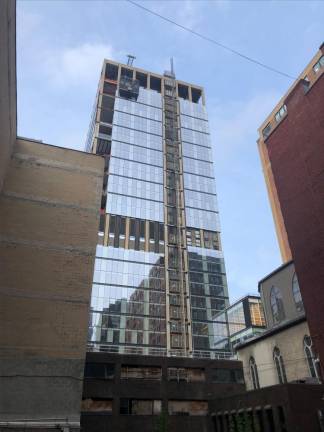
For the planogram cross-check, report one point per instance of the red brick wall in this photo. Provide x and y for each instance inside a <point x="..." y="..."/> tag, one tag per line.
<point x="296" y="153"/>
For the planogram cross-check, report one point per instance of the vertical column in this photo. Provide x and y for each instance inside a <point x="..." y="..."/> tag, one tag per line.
<point x="177" y="307"/>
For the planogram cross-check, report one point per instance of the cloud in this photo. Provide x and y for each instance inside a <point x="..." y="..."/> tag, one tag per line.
<point x="234" y="124"/>
<point x="76" y="66"/>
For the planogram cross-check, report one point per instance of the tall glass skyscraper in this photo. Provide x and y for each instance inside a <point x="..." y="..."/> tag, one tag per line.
<point x="159" y="279"/>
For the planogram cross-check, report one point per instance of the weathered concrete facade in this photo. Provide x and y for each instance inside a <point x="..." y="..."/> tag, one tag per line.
<point x="185" y="382"/>
<point x="48" y="228"/>
<point x="284" y="408"/>
<point x="8" y="104"/>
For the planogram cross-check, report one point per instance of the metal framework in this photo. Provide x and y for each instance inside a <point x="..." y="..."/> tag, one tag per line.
<point x="177" y="286"/>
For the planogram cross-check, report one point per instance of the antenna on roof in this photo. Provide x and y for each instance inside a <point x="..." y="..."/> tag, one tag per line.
<point x="171" y="63"/>
<point x="130" y="60"/>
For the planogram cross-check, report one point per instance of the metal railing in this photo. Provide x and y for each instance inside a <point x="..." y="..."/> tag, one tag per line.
<point x="160" y="352"/>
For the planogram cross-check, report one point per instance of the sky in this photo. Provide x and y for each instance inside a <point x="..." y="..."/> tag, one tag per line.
<point x="60" y="49"/>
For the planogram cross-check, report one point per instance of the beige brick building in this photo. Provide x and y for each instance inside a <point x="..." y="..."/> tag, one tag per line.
<point x="49" y="215"/>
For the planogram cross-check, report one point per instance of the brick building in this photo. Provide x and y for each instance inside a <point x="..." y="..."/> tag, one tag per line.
<point x="292" y="155"/>
<point x="49" y="201"/>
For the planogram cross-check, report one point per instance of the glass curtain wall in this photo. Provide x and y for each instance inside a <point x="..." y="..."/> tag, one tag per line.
<point x="129" y="295"/>
<point x="207" y="278"/>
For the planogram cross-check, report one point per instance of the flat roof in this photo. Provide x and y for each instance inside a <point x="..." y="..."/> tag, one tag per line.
<point x="136" y="69"/>
<point x="270" y="332"/>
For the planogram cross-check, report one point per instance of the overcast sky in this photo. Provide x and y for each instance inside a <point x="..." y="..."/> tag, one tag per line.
<point x="60" y="49"/>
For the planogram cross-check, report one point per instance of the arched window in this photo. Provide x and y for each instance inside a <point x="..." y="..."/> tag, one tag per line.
<point x="276" y="303"/>
<point x="296" y="294"/>
<point x="310" y="357"/>
<point x="254" y="374"/>
<point x="278" y="360"/>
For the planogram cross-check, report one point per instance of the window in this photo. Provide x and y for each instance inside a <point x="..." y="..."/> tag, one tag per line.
<point x="227" y="376"/>
<point x="155" y="83"/>
<point x="140" y="407"/>
<point x="317" y="66"/>
<point x="193" y="408"/>
<point x="266" y="131"/>
<point x="281" y="113"/>
<point x="186" y="374"/>
<point x="99" y="370"/>
<point x="196" y="95"/>
<point x="310" y="357"/>
<point x="254" y="374"/>
<point x="257" y="315"/>
<point x="183" y="91"/>
<point x="281" y="371"/>
<point x="96" y="405"/>
<point x="276" y="303"/>
<point x="296" y="294"/>
<point x="111" y="71"/>
<point x="141" y="372"/>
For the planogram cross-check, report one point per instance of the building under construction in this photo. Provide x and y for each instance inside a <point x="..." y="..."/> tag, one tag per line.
<point x="159" y="281"/>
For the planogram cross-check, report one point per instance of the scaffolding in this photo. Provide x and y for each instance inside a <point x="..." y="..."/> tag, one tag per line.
<point x="176" y="267"/>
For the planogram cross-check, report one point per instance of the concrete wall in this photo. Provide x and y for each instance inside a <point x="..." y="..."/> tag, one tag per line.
<point x="299" y="405"/>
<point x="8" y="102"/>
<point x="290" y="343"/>
<point x="117" y="388"/>
<point x="281" y="279"/>
<point x="48" y="233"/>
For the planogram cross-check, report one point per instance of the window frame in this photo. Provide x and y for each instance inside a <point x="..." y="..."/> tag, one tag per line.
<point x="254" y="373"/>
<point x="296" y="293"/>
<point x="280" y="366"/>
<point x="311" y="359"/>
<point x="276" y="302"/>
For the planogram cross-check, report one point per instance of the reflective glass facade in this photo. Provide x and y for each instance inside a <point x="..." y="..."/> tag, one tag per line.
<point x="159" y="282"/>
<point x="245" y="319"/>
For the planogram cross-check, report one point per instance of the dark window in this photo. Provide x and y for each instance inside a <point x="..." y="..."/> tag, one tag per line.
<point x="254" y="373"/>
<point x="142" y="79"/>
<point x="227" y="376"/>
<point x="280" y="366"/>
<point x="199" y="314"/>
<point x="270" y="419"/>
<point x="109" y="88"/>
<point x="106" y="116"/>
<point x="155" y="83"/>
<point x="216" y="290"/>
<point x="106" y="130"/>
<point x="107" y="102"/>
<point x="195" y="95"/>
<point x="111" y="71"/>
<point x="99" y="370"/>
<point x="103" y="147"/>
<point x="277" y="307"/>
<point x="296" y="294"/>
<point x="183" y="91"/>
<point x="126" y="72"/>
<point x="201" y="342"/>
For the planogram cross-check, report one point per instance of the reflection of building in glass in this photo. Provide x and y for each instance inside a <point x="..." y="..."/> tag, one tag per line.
<point x="159" y="279"/>
<point x="245" y="318"/>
